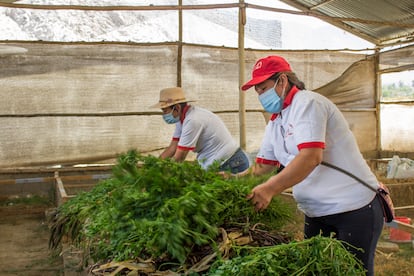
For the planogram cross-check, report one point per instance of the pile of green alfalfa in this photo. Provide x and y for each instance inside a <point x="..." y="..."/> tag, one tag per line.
<point x="159" y="217"/>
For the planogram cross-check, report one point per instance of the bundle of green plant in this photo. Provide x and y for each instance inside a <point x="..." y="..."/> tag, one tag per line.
<point x="314" y="256"/>
<point x="160" y="210"/>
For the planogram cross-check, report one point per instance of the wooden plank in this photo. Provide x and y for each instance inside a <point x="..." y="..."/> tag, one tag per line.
<point x="69" y="186"/>
<point x="61" y="195"/>
<point x="51" y="170"/>
<point x="84" y="177"/>
<point x="25" y="180"/>
<point x="404" y="207"/>
<point x="48" y="179"/>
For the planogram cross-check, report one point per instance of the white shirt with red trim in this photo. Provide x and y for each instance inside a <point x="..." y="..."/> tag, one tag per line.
<point x="205" y="133"/>
<point x="311" y="120"/>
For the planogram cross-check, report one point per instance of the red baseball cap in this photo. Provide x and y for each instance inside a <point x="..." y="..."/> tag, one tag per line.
<point x="265" y="68"/>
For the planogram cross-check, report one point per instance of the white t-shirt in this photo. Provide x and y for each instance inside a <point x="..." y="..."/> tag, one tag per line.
<point x="204" y="132"/>
<point x="312" y="120"/>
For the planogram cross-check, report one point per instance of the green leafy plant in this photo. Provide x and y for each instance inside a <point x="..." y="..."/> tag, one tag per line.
<point x="314" y="256"/>
<point x="179" y="217"/>
<point x="159" y="209"/>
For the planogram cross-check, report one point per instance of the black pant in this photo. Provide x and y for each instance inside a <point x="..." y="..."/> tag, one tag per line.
<point x="360" y="228"/>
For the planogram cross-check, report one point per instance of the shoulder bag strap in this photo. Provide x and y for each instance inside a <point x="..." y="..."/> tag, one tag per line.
<point x="349" y="174"/>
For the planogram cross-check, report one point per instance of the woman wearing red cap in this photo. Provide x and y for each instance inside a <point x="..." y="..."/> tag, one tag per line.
<point x="305" y="129"/>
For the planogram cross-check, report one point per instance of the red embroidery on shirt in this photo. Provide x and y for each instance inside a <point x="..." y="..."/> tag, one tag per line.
<point x="289" y="131"/>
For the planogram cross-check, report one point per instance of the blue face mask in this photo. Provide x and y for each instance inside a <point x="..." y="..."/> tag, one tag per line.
<point x="169" y="118"/>
<point x="271" y="101"/>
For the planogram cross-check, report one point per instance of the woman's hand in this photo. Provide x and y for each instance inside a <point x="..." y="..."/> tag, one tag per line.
<point x="261" y="196"/>
<point x="225" y="174"/>
<point x="297" y="170"/>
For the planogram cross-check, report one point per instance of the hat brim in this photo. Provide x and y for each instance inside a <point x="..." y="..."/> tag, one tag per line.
<point x="255" y="81"/>
<point x="165" y="105"/>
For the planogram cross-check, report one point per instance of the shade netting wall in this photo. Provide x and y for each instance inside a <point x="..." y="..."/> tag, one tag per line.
<point x="77" y="102"/>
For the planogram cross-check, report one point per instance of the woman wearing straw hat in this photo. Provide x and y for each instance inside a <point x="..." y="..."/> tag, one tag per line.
<point x="201" y="131"/>
<point x="306" y="130"/>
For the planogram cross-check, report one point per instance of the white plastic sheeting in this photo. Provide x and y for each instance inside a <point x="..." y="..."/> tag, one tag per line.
<point x="75" y="102"/>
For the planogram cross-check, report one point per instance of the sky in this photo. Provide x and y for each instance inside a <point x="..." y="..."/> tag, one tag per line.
<point x="406" y="77"/>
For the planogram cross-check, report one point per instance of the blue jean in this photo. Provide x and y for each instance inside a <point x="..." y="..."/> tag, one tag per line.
<point x="238" y="162"/>
<point x="360" y="228"/>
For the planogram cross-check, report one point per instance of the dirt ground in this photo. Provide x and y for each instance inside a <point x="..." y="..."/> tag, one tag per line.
<point x="24" y="246"/>
<point x="24" y="241"/>
<point x="398" y="263"/>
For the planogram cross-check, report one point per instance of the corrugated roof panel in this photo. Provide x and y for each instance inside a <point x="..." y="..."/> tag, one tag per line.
<point x="379" y="21"/>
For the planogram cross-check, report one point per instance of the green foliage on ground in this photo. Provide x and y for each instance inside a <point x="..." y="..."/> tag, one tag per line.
<point x="314" y="256"/>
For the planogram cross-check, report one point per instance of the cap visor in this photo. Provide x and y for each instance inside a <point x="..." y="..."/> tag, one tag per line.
<point x="255" y="81"/>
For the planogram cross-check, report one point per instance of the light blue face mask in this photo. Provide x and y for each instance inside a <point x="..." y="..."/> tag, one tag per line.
<point x="271" y="101"/>
<point x="169" y="117"/>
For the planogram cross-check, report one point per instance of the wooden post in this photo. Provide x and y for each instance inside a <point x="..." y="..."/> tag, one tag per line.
<point x="180" y="44"/>
<point x="377" y="95"/>
<point x="242" y="106"/>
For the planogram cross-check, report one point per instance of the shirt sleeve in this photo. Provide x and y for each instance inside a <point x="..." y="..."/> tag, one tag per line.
<point x="310" y="123"/>
<point x="177" y="132"/>
<point x="191" y="131"/>
<point x="266" y="152"/>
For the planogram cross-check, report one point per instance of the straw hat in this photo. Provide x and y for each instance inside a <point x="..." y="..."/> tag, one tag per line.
<point x="171" y="96"/>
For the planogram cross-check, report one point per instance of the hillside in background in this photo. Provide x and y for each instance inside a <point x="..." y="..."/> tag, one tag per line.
<point x="215" y="27"/>
<point x="263" y="29"/>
